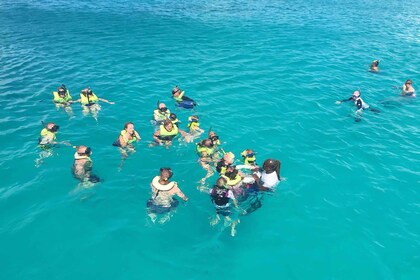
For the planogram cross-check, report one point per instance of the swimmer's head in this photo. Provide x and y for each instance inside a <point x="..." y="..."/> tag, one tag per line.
<point x="84" y="151"/>
<point x="176" y="90"/>
<point x="375" y="62"/>
<point x="229" y="157"/>
<point x="52" y="127"/>
<point x="193" y="118"/>
<point x="409" y="82"/>
<point x="166" y="173"/>
<point x="356" y="94"/>
<point x="129" y="127"/>
<point x="206" y="143"/>
<point x="87" y="91"/>
<point x="62" y="90"/>
<point x="162" y="107"/>
<point x="168" y="125"/>
<point x="173" y="117"/>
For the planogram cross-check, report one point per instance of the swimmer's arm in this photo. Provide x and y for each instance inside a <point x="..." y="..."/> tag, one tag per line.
<point x="181" y="194"/>
<point x="122" y="141"/>
<point x="106" y="101"/>
<point x="156" y="136"/>
<point x="137" y="136"/>
<point x="344" y="100"/>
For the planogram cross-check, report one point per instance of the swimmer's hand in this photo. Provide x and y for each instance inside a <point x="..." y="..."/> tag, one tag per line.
<point x="337" y="102"/>
<point x="65" y="143"/>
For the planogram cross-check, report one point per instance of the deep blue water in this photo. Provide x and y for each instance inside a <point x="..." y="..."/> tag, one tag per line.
<point x="266" y="76"/>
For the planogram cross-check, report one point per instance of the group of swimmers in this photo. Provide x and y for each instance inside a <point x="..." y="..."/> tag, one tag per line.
<point x="406" y="90"/>
<point x="241" y="185"/>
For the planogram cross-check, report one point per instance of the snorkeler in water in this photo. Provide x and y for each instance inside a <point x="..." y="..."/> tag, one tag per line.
<point x="163" y="192"/>
<point x="90" y="102"/>
<point x="47" y="140"/>
<point x="82" y="165"/>
<point x="374" y="66"/>
<point x="407" y="89"/>
<point x="359" y="103"/>
<point x="221" y="197"/>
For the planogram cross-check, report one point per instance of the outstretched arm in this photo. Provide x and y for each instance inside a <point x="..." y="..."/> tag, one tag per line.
<point x="106" y="101"/>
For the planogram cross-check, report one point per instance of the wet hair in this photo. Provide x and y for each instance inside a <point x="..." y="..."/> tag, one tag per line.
<point x="126" y="124"/>
<point x="168" y="169"/>
<point x="205" y="143"/>
<point x="176" y="89"/>
<point x="231" y="172"/>
<point x="166" y="122"/>
<point x="271" y="165"/>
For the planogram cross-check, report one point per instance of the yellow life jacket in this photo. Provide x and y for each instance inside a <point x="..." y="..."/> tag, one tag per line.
<point x="179" y="98"/>
<point x="133" y="138"/>
<point x="58" y="99"/>
<point x="46" y="133"/>
<point x="88" y="101"/>
<point x="167" y="135"/>
<point x="161" y="116"/>
<point x="207" y="150"/>
<point x="193" y="125"/>
<point x="232" y="182"/>
<point x="248" y="160"/>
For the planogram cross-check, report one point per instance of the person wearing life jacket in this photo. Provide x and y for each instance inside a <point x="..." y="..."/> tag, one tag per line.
<point x="205" y="152"/>
<point x="194" y="125"/>
<point x="82" y="166"/>
<point x="161" y="114"/>
<point x="48" y="135"/>
<point x="62" y="96"/>
<point x="166" y="133"/>
<point x="270" y="175"/>
<point x="249" y="158"/>
<point x="89" y="98"/>
<point x="234" y="179"/>
<point x="407" y="89"/>
<point x="179" y="96"/>
<point x="374" y="66"/>
<point x="90" y="102"/>
<point x="163" y="192"/>
<point x="127" y="136"/>
<point x="226" y="161"/>
<point x="174" y="119"/>
<point x="221" y="198"/>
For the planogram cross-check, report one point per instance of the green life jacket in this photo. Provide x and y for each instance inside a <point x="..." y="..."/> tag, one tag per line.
<point x="58" y="99"/>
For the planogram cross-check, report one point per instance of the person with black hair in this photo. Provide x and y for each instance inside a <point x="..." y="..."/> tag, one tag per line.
<point x="270" y="175"/>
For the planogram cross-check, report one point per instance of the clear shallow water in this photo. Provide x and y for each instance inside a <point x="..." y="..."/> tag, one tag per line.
<point x="266" y="76"/>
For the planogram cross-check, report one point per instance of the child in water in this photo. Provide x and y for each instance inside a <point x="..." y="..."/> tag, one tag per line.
<point x="221" y="197"/>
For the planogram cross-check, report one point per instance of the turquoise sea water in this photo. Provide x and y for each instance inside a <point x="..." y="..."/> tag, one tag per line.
<point x="266" y="75"/>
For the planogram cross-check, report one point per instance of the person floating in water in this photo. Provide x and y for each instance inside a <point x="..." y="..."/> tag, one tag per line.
<point x="174" y="119"/>
<point x="163" y="192"/>
<point x="407" y="89"/>
<point x="221" y="198"/>
<point x="63" y="99"/>
<point x="182" y="100"/>
<point x="249" y="158"/>
<point x="47" y="140"/>
<point x="166" y="133"/>
<point x="270" y="175"/>
<point x="359" y="103"/>
<point x="90" y="102"/>
<point x="374" y="66"/>
<point x="205" y="152"/>
<point x="216" y="143"/>
<point x="194" y="126"/>
<point x="82" y="165"/>
<point x="160" y="114"/>
<point x="227" y="160"/>
<point x="127" y="137"/>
